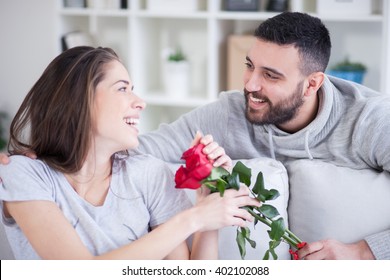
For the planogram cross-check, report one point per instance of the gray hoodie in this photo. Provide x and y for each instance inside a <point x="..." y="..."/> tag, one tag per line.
<point x="350" y="130"/>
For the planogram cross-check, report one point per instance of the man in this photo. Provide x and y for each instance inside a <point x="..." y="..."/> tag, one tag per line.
<point x="291" y="110"/>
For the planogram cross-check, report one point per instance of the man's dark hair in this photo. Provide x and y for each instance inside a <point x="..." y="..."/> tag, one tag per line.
<point x="308" y="34"/>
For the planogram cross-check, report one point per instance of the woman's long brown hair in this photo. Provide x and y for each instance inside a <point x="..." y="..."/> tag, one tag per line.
<point x="54" y="120"/>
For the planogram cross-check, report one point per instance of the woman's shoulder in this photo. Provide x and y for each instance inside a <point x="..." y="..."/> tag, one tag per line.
<point x="24" y="178"/>
<point x="24" y="164"/>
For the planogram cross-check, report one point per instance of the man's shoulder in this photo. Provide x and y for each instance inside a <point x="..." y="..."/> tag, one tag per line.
<point x="232" y="96"/>
<point x="233" y="100"/>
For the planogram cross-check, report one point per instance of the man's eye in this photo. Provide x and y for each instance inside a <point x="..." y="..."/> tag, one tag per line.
<point x="270" y="76"/>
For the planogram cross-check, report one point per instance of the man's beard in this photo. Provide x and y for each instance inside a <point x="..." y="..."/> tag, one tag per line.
<point x="277" y="114"/>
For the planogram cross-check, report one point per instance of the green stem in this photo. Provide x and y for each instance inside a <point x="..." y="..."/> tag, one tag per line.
<point x="290" y="233"/>
<point x="293" y="241"/>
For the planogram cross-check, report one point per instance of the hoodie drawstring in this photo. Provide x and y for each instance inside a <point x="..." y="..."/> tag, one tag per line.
<point x="307" y="144"/>
<point x="271" y="144"/>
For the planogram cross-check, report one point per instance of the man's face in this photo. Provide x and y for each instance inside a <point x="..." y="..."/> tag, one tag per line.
<point x="273" y="84"/>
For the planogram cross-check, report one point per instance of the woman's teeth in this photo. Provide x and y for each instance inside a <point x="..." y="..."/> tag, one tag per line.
<point x="131" y="121"/>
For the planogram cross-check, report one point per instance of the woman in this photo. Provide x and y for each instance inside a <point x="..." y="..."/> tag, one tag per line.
<point x="85" y="198"/>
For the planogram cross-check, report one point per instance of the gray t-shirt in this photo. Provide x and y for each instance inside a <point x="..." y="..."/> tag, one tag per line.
<point x="141" y="195"/>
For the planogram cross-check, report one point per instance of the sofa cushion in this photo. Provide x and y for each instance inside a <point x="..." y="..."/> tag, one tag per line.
<point x="328" y="201"/>
<point x="275" y="177"/>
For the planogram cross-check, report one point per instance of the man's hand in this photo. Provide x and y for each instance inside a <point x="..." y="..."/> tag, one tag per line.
<point x="335" y="250"/>
<point x="4" y="159"/>
<point x="213" y="150"/>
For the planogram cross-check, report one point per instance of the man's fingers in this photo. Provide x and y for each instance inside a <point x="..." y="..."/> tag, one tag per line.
<point x="4" y="159"/>
<point x="197" y="138"/>
<point x="31" y="155"/>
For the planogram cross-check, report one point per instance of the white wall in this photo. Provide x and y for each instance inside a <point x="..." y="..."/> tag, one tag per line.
<point x="28" y="44"/>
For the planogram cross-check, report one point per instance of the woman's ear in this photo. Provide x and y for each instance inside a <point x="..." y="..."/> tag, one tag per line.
<point x="314" y="82"/>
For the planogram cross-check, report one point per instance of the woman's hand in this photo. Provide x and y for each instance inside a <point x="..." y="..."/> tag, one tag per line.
<point x="214" y="212"/>
<point x="213" y="151"/>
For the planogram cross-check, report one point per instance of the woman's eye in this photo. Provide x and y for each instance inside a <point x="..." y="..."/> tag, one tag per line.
<point x="248" y="65"/>
<point x="123" y="89"/>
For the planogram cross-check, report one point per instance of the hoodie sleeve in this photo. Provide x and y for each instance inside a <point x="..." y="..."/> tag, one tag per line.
<point x="379" y="244"/>
<point x="169" y="141"/>
<point x="371" y="134"/>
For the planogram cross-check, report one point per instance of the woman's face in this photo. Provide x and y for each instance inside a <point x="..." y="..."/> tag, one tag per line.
<point x="116" y="111"/>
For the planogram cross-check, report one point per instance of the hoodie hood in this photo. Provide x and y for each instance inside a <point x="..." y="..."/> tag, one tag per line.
<point x="300" y="143"/>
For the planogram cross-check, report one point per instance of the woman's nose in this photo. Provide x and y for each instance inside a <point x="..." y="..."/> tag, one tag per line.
<point x="139" y="103"/>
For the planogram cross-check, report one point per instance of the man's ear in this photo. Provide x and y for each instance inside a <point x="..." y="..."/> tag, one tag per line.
<point x="314" y="82"/>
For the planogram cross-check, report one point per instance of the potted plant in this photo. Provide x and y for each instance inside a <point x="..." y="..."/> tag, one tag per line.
<point x="3" y="140"/>
<point x="353" y="71"/>
<point x="176" y="73"/>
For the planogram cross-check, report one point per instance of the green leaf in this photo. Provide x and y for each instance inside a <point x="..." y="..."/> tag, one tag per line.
<point x="221" y="186"/>
<point x="269" y="211"/>
<point x="277" y="229"/>
<point x="274" y="243"/>
<point x="258" y="188"/>
<point x="240" y="239"/>
<point x="266" y="255"/>
<point x="216" y="173"/>
<point x="247" y="234"/>
<point x="233" y="181"/>
<point x="243" y="172"/>
<point x="264" y="194"/>
<point x="271" y="194"/>
<point x="273" y="253"/>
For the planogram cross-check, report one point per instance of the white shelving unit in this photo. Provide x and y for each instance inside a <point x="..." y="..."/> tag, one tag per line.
<point x="139" y="35"/>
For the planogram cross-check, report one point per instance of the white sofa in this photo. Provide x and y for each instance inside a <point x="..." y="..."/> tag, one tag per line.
<point x="323" y="201"/>
<point x="328" y="201"/>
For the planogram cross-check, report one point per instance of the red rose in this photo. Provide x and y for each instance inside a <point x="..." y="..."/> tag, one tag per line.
<point x="198" y="167"/>
<point x="294" y="254"/>
<point x="301" y="245"/>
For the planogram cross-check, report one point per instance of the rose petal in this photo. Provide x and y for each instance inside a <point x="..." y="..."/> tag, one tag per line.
<point x="201" y="172"/>
<point x="190" y="183"/>
<point x="181" y="175"/>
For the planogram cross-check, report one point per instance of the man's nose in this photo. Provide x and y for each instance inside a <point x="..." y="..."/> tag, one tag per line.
<point x="253" y="83"/>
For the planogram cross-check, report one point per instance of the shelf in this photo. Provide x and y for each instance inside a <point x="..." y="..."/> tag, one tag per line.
<point x="350" y="18"/>
<point x="76" y="11"/>
<point x="140" y="36"/>
<point x="258" y="16"/>
<point x="113" y="12"/>
<point x="172" y="15"/>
